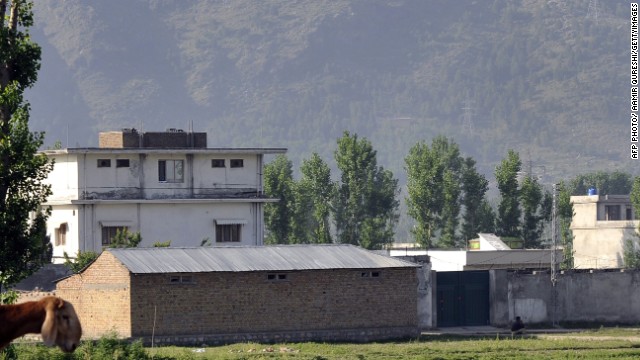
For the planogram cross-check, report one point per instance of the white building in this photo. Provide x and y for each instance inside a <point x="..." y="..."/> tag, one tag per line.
<point x="486" y="252"/>
<point x="168" y="186"/>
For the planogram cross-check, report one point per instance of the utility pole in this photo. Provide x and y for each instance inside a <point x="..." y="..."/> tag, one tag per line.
<point x="554" y="237"/>
<point x="554" y="257"/>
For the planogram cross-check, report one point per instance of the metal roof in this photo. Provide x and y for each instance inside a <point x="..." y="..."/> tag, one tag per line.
<point x="252" y="258"/>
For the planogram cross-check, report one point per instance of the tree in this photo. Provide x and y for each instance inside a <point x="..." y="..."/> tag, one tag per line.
<point x="634" y="196"/>
<point x="565" y="214"/>
<point x="125" y="239"/>
<point x="631" y="249"/>
<point x="425" y="196"/>
<point x="614" y="183"/>
<point x="434" y="176"/>
<point x="508" y="209"/>
<point x="278" y="183"/>
<point x="366" y="208"/>
<point x="531" y="197"/>
<point x="474" y="188"/>
<point x="316" y="188"/>
<point x="82" y="260"/>
<point x="23" y="243"/>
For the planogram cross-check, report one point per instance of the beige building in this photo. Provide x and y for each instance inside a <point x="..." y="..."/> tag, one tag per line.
<point x="600" y="225"/>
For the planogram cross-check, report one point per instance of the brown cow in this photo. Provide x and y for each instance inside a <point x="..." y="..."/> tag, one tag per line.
<point x="52" y="317"/>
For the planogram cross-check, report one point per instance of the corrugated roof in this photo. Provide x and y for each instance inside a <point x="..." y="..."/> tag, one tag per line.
<point x="252" y="258"/>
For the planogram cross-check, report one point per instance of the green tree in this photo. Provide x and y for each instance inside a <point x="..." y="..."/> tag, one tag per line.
<point x="474" y="188"/>
<point x="366" y="206"/>
<point x="607" y="183"/>
<point x="318" y="190"/>
<point x="434" y="176"/>
<point x="506" y="173"/>
<point x="82" y="260"/>
<point x="278" y="183"/>
<point x="449" y="154"/>
<point x="634" y="196"/>
<point x="486" y="217"/>
<point x="425" y="172"/>
<point x="531" y="197"/>
<point x="631" y="249"/>
<point x="565" y="215"/>
<point x="125" y="239"/>
<point x="23" y="243"/>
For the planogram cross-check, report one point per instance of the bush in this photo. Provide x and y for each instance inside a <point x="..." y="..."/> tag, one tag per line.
<point x="106" y="348"/>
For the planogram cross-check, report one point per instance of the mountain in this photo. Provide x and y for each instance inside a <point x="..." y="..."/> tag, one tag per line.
<point x="549" y="79"/>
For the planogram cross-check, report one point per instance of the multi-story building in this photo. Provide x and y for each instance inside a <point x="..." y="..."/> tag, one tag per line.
<point x="600" y="225"/>
<point x="167" y="186"/>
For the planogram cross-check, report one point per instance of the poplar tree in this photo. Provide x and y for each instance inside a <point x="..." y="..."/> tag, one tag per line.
<point x="508" y="220"/>
<point x="278" y="183"/>
<point x="474" y="186"/>
<point x="24" y="246"/>
<point x="315" y="192"/>
<point x="366" y="207"/>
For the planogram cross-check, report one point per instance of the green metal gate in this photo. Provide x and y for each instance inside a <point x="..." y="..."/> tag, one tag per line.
<point x="463" y="298"/>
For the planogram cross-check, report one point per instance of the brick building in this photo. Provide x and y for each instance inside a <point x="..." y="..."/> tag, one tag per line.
<point x="228" y="294"/>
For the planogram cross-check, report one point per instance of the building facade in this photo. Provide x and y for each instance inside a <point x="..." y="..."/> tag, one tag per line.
<point x="168" y="186"/>
<point x="229" y="294"/>
<point x="600" y="225"/>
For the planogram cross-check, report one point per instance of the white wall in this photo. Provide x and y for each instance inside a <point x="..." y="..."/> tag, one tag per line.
<point x="185" y="224"/>
<point x="63" y="178"/>
<point x="69" y="215"/>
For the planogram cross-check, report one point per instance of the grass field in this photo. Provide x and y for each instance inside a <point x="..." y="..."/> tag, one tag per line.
<point x="603" y="344"/>
<point x="617" y="343"/>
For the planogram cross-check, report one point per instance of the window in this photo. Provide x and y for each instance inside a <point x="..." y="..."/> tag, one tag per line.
<point x="236" y="163"/>
<point x="370" y="274"/>
<point x="180" y="279"/>
<point x="170" y="170"/>
<point x="104" y="163"/>
<point x="217" y="163"/>
<point x="277" y="277"/>
<point x="61" y="234"/>
<point x="612" y="212"/>
<point x="109" y="232"/>
<point x="629" y="213"/>
<point x="122" y="163"/>
<point x="228" y="233"/>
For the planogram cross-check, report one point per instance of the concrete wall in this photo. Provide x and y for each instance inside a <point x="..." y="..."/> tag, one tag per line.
<point x="595" y="297"/>
<point x="598" y="243"/>
<point x="185" y="224"/>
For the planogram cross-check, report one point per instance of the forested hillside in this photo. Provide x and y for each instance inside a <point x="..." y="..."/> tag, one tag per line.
<point x="546" y="78"/>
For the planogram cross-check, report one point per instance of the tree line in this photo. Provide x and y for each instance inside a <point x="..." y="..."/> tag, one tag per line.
<point x="446" y="198"/>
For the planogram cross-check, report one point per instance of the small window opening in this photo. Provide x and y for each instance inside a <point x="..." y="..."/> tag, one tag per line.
<point x="277" y="277"/>
<point x="122" y="163"/>
<point x="217" y="163"/>
<point x="236" y="163"/>
<point x="181" y="279"/>
<point x="104" y="163"/>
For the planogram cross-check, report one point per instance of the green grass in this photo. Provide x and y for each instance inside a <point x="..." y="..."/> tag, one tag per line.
<point x="612" y="343"/>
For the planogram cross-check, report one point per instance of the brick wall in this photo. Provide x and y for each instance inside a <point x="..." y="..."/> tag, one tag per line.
<point x="249" y="303"/>
<point x="118" y="139"/>
<point x="100" y="296"/>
